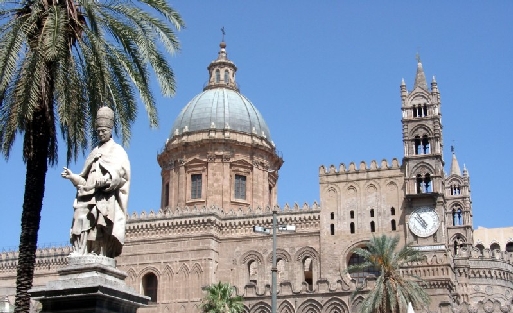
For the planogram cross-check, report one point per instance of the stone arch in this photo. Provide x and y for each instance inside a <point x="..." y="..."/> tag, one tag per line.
<point x="245" y="309"/>
<point x="357" y="303"/>
<point x="167" y="283"/>
<point x="251" y="255"/>
<point x="310" y="306"/>
<point x="306" y="251"/>
<point x="196" y="281"/>
<point x="260" y="307"/>
<point x="335" y="305"/>
<point x="280" y="254"/>
<point x="181" y="282"/>
<point x="421" y="130"/>
<point x="422" y="168"/>
<point x="286" y="307"/>
<point x="132" y="276"/>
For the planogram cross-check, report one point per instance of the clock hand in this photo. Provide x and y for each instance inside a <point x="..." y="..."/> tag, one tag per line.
<point x="421" y="220"/>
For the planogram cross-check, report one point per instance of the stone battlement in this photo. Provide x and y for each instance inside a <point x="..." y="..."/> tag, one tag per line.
<point x="45" y="258"/>
<point x="362" y="168"/>
<point x="186" y="211"/>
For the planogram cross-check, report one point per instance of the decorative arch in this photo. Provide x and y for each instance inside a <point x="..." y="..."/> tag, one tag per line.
<point x="310" y="306"/>
<point x="280" y="254"/>
<point x="260" y="307"/>
<point x="422" y="168"/>
<point x="305" y="252"/>
<point x="196" y="281"/>
<point x="421" y="130"/>
<point x="286" y="307"/>
<point x="149" y="269"/>
<point x="356" y="304"/>
<point x="250" y="256"/>
<point x="335" y="305"/>
<point x="131" y="275"/>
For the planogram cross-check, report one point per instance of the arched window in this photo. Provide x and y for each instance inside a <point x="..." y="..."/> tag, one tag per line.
<point x="307" y="272"/>
<point x="425" y="110"/>
<point x="218" y="76"/>
<point x="424" y="184"/>
<point x="150" y="286"/>
<point x="280" y="266"/>
<point x="360" y="275"/>
<point x="226" y="77"/>
<point x="456" y="217"/>
<point x="166" y="195"/>
<point x="420" y="184"/>
<point x="393" y="224"/>
<point x="509" y="247"/>
<point x="414" y="111"/>
<point x="372" y="227"/>
<point x="495" y="246"/>
<point x="332" y="229"/>
<point x="392" y="211"/>
<point x="351" y="226"/>
<point x="351" y="214"/>
<point x="428" y="187"/>
<point x="372" y="213"/>
<point x="455" y="190"/>
<point x="332" y="215"/>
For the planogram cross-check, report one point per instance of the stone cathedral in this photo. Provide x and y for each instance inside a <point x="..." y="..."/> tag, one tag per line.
<point x="219" y="178"/>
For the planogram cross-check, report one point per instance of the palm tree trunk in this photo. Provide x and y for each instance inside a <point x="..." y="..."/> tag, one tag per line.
<point x="37" y="138"/>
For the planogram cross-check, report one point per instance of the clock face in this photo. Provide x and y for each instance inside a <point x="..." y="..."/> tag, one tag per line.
<point x="424" y="221"/>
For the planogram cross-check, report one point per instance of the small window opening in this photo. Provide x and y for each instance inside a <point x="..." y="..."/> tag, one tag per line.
<point x="424" y="184"/>
<point x="425" y="110"/>
<point x="332" y="229"/>
<point x="308" y="273"/>
<point x="166" y="195"/>
<point x="218" y="76"/>
<point x="392" y="211"/>
<point x="425" y="145"/>
<point x="372" y="227"/>
<point x="417" y="145"/>
<point x="351" y="226"/>
<point x="196" y="182"/>
<point x="393" y="225"/>
<point x="253" y="272"/>
<point x="372" y="213"/>
<point x="332" y="215"/>
<point x="150" y="286"/>
<point x="240" y="187"/>
<point x="509" y="247"/>
<point x="455" y="190"/>
<point x="351" y="214"/>
<point x="456" y="217"/>
<point x="226" y="77"/>
<point x="414" y="111"/>
<point x="495" y="246"/>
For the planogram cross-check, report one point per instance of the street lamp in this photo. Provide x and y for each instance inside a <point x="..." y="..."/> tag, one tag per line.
<point x="274" y="269"/>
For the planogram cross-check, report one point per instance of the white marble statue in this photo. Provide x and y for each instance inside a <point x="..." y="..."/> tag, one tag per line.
<point x="102" y="195"/>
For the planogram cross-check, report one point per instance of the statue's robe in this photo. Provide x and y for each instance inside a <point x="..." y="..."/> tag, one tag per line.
<point x="100" y="213"/>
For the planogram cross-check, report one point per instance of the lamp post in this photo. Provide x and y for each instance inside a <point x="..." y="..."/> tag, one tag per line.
<point x="274" y="269"/>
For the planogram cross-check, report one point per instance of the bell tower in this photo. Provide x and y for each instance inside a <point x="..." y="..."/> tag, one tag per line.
<point x="423" y="162"/>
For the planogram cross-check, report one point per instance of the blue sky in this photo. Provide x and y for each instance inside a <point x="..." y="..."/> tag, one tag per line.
<point x="326" y="75"/>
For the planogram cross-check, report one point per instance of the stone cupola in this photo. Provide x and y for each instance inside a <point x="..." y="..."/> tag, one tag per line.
<point x="220" y="152"/>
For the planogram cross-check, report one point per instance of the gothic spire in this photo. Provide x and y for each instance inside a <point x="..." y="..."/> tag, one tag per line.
<point x="455" y="167"/>
<point x="420" y="78"/>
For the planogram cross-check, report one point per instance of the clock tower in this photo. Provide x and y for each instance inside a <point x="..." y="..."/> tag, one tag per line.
<point x="423" y="163"/>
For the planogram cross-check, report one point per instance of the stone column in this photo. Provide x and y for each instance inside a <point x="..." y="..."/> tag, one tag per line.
<point x="89" y="284"/>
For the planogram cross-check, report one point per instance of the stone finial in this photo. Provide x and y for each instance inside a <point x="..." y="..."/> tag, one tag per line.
<point x="420" y="78"/>
<point x="455" y="167"/>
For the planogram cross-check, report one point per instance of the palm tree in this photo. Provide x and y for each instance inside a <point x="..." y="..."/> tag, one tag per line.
<point x="220" y="298"/>
<point x="60" y="60"/>
<point x="393" y="291"/>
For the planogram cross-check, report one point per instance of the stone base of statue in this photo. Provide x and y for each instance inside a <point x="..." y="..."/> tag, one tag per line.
<point x="89" y="284"/>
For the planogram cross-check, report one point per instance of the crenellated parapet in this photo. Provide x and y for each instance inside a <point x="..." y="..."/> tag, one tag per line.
<point x="46" y="258"/>
<point x="362" y="168"/>
<point x="218" y="221"/>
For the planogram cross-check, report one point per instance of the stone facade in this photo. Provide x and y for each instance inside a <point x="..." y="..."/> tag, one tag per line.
<point x="219" y="181"/>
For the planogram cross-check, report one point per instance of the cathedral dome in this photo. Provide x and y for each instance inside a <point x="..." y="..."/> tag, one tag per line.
<point x="221" y="106"/>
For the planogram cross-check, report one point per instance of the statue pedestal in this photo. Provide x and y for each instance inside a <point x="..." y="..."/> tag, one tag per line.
<point x="89" y="284"/>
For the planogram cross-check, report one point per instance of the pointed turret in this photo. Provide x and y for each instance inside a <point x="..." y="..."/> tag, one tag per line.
<point x="455" y="167"/>
<point x="420" y="78"/>
<point x="404" y="92"/>
<point x="222" y="71"/>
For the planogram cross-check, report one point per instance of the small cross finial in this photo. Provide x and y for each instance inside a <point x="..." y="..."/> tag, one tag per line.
<point x="222" y="31"/>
